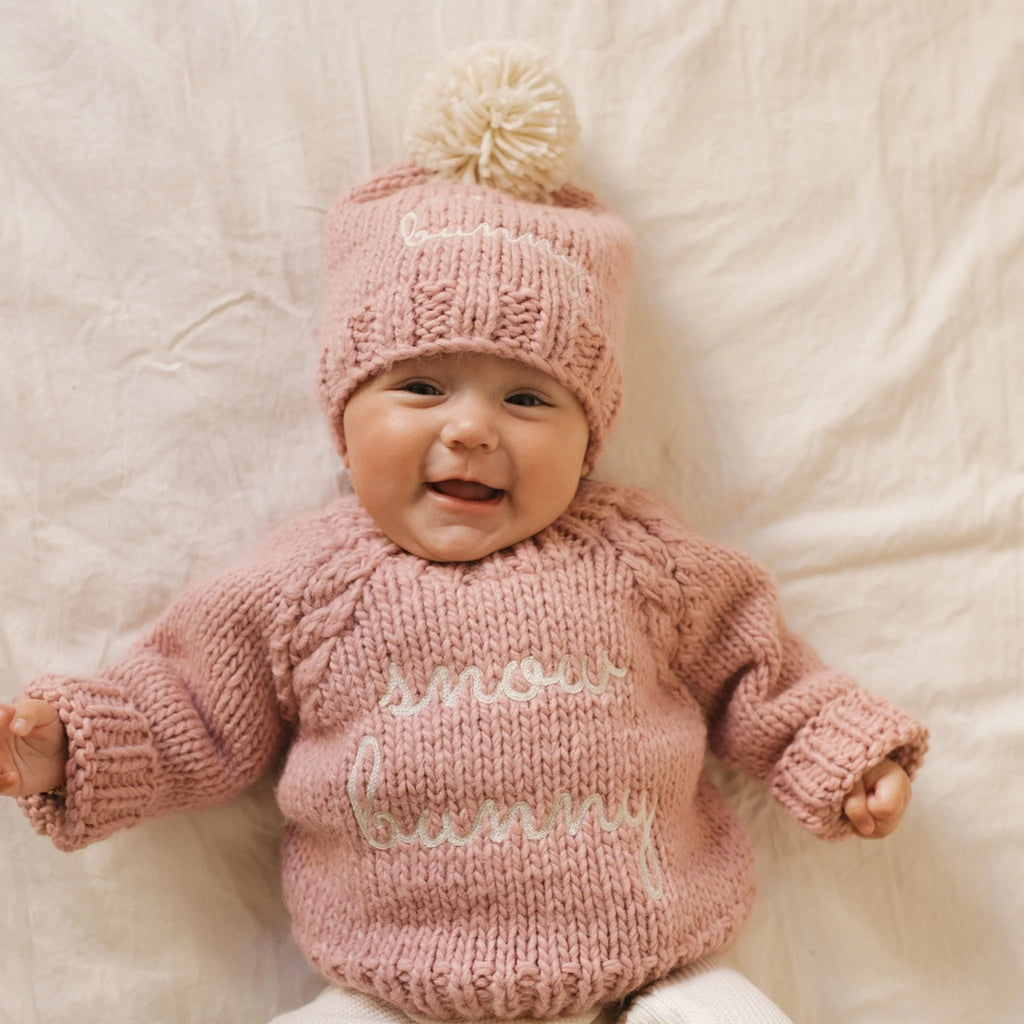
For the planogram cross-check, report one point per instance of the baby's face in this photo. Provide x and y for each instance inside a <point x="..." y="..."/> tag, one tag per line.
<point x="457" y="456"/>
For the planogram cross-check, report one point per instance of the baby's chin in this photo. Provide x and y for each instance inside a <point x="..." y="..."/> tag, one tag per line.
<point x="454" y="553"/>
<point x="457" y="545"/>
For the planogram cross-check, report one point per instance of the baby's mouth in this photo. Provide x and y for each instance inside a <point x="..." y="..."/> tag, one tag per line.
<point x="466" y="490"/>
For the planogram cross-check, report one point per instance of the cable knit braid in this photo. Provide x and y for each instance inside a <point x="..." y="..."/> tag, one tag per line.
<point x="494" y="792"/>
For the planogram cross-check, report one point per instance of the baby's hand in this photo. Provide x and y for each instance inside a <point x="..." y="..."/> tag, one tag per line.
<point x="33" y="748"/>
<point x="876" y="804"/>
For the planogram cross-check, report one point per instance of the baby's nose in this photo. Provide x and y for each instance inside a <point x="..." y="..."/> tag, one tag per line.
<point x="470" y="424"/>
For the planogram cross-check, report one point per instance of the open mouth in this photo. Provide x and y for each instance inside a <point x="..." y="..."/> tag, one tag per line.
<point x="466" y="490"/>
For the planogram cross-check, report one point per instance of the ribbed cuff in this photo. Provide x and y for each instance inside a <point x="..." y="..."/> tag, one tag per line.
<point x="850" y="735"/>
<point x="110" y="764"/>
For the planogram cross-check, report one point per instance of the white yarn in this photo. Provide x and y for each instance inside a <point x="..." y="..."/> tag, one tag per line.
<point x="495" y="114"/>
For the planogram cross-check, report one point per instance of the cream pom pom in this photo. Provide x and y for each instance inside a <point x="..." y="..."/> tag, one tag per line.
<point x="495" y="114"/>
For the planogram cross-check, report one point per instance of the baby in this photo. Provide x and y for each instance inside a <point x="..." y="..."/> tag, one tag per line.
<point x="488" y="681"/>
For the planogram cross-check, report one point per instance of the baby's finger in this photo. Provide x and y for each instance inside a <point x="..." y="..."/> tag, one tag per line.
<point x="20" y="725"/>
<point x="7" y="716"/>
<point x="28" y="714"/>
<point x="855" y="807"/>
<point x="888" y="801"/>
<point x="885" y="796"/>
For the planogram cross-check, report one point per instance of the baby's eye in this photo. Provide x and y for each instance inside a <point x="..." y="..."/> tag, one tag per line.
<point x="524" y="398"/>
<point x="420" y="387"/>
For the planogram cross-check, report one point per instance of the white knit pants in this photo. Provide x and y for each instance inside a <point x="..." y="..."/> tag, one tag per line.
<point x="707" y="992"/>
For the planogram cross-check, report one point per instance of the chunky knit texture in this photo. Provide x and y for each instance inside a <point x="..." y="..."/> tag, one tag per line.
<point x="414" y="266"/>
<point x="494" y="790"/>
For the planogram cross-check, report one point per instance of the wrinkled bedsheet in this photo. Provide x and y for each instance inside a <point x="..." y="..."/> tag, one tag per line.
<point x="824" y="368"/>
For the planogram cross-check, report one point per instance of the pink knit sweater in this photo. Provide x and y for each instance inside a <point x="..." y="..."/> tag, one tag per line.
<point x="493" y="778"/>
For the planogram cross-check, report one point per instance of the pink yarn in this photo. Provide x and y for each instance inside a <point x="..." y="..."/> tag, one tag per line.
<point x="494" y="788"/>
<point x="414" y="266"/>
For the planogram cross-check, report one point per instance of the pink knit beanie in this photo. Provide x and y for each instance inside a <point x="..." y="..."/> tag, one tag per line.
<point x="478" y="245"/>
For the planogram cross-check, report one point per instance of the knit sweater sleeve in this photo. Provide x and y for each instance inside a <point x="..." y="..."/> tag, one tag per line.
<point x="192" y="715"/>
<point x="773" y="709"/>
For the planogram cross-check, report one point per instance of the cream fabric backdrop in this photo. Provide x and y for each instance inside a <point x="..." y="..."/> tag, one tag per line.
<point x="824" y="368"/>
